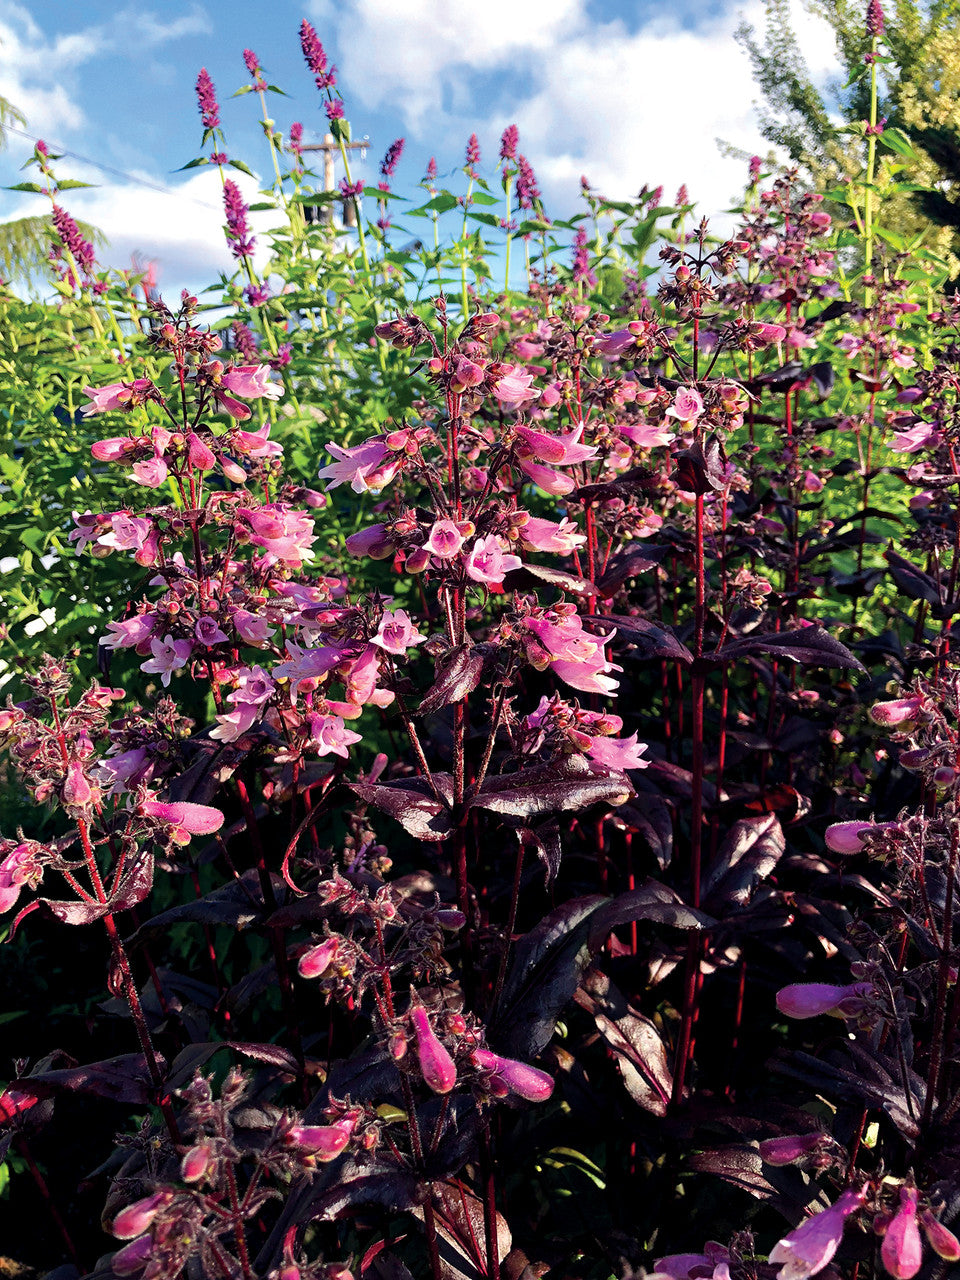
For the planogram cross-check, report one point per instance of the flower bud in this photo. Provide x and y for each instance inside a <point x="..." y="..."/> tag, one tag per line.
<point x="324" y="1142"/>
<point x="788" y="1150"/>
<point x="317" y="960"/>
<point x="136" y="1218"/>
<point x="810" y="999"/>
<point x="525" y="1081"/>
<point x="902" y="1249"/>
<point x="132" y="1257"/>
<point x="196" y="1162"/>
<point x="942" y="1241"/>
<point x="436" y="1065"/>
<point x="901" y="711"/>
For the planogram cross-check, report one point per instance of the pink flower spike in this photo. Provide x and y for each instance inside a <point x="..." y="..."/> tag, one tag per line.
<point x="251" y="382"/>
<point x="810" y="999"/>
<point x="902" y="1249"/>
<point x="438" y="1068"/>
<point x="196" y="819"/>
<point x="525" y="1081"/>
<point x="812" y="1245"/>
<point x="396" y="633"/>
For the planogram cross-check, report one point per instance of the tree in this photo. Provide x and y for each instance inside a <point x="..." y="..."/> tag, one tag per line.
<point x="920" y="88"/>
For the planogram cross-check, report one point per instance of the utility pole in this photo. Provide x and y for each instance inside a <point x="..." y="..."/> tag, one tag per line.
<point x="331" y="149"/>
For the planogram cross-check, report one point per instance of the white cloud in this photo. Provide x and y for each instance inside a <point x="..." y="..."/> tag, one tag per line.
<point x="624" y="107"/>
<point x="38" y="72"/>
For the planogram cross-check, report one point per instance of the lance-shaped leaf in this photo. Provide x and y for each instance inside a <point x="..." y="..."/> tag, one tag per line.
<point x="651" y="640"/>
<point x="413" y="804"/>
<point x="701" y="468"/>
<point x="533" y="575"/>
<point x="458" y="673"/>
<point x="810" y="646"/>
<point x="191" y="1059"/>
<point x="623" y="567"/>
<point x="638" y="1050"/>
<point x="238" y="904"/>
<point x="462" y="1240"/>
<point x="573" y="783"/>
<point x="550" y="961"/>
<point x="123" y="1079"/>
<point x="913" y="582"/>
<point x="751" y="850"/>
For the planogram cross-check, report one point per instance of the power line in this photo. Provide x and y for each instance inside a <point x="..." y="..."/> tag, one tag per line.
<point x="117" y="173"/>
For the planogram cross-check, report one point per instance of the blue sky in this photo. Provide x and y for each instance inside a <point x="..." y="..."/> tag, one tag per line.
<point x="628" y="92"/>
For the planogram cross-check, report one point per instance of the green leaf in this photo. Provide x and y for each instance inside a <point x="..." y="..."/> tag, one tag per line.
<point x="69" y="184"/>
<point x="246" y="88"/>
<point x="898" y="141"/>
<point x="238" y="164"/>
<point x="481" y="197"/>
<point x="27" y="186"/>
<point x="192" y="164"/>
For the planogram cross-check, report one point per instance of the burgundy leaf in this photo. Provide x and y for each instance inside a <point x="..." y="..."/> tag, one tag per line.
<point x="638" y="1050"/>
<point x="810" y="646"/>
<point x="412" y="803"/>
<point x="458" y="673"/>
<point x="571" y="784"/>
<point x="123" y="1079"/>
<point x="750" y="851"/>
<point x="532" y="575"/>
<point x="913" y="582"/>
<point x="238" y="904"/>
<point x="623" y="567"/>
<point x="651" y="641"/>
<point x="701" y="469"/>
<point x="459" y="1217"/>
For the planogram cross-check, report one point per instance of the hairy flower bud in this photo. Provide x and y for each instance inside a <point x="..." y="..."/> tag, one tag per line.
<point x="520" y="1078"/>
<point x="942" y="1241"/>
<point x="438" y="1068"/>
<point x="810" y="999"/>
<point x="315" y="962"/>
<point x="323" y="1142"/>
<point x="137" y="1217"/>
<point x="902" y="1249"/>
<point x="196" y="1162"/>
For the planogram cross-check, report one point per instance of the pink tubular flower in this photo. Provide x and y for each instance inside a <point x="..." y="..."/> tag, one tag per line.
<point x="374" y="542"/>
<point x="131" y="633"/>
<point x="254" y="444"/>
<point x="187" y="819"/>
<point x="618" y="753"/>
<point x="902" y="1250"/>
<point x="445" y="540"/>
<point x="115" y="395"/>
<point x="168" y="656"/>
<point x="486" y="562"/>
<point x="330" y="736"/>
<point x="915" y="438"/>
<point x="251" y="627"/>
<point x="514" y="387"/>
<point x="847" y="837"/>
<point x="323" y="1142"/>
<point x="151" y="472"/>
<point x="251" y="382"/>
<point x="396" y="633"/>
<point x="437" y="1067"/>
<point x="812" y="1245"/>
<point x="18" y="868"/>
<point x="544" y="535"/>
<point x="810" y="999"/>
<point x="370" y="465"/>
<point x="112" y="449"/>
<point x="576" y="656"/>
<point x="900" y="711"/>
<point x="200" y="455"/>
<point x="646" y="435"/>
<point x="942" y="1241"/>
<point x="525" y="1081"/>
<point x="687" y="406"/>
<point x="306" y="666"/>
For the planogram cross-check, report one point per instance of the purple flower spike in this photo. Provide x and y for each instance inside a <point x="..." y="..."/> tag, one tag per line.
<point x="207" y="100"/>
<point x="875" y="19"/>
